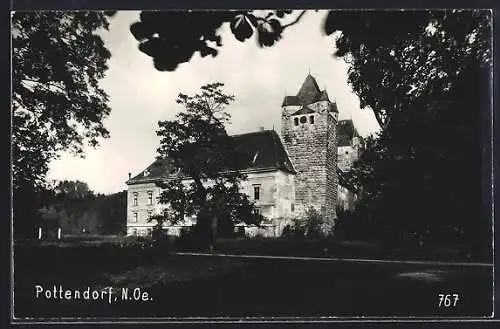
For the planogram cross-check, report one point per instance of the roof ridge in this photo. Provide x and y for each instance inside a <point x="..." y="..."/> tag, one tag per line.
<point x="251" y="133"/>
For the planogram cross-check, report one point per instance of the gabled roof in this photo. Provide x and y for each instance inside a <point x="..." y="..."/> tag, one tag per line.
<point x="160" y="168"/>
<point x="346" y="132"/>
<point x="261" y="150"/>
<point x="265" y="150"/>
<point x="304" y="110"/>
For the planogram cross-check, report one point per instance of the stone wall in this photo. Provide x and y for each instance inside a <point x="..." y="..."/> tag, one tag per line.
<point x="347" y="155"/>
<point x="331" y="177"/>
<point x="313" y="152"/>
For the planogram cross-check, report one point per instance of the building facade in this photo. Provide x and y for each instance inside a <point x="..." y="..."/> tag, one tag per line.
<point x="287" y="174"/>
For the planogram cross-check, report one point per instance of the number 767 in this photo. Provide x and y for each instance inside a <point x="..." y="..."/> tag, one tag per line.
<point x="448" y="300"/>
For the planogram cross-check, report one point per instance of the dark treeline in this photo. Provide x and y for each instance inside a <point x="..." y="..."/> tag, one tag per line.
<point x="76" y="209"/>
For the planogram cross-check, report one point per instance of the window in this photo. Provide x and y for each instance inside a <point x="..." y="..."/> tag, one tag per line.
<point x="311" y="119"/>
<point x="296" y="121"/>
<point x="303" y="119"/>
<point x="292" y="207"/>
<point x="256" y="192"/>
<point x="134" y="232"/>
<point x="150" y="213"/>
<point x="134" y="217"/>
<point x="150" y="197"/>
<point x="257" y="211"/>
<point x="135" y="198"/>
<point x="149" y="231"/>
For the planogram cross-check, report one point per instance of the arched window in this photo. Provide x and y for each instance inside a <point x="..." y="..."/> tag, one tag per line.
<point x="311" y="119"/>
<point x="303" y="119"/>
<point x="296" y="121"/>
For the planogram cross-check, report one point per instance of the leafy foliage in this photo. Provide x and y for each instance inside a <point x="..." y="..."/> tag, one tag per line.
<point x="88" y="213"/>
<point x="427" y="84"/>
<point x="57" y="104"/>
<point x="310" y="226"/>
<point x="72" y="189"/>
<point x="171" y="38"/>
<point x="196" y="143"/>
<point x="423" y="57"/>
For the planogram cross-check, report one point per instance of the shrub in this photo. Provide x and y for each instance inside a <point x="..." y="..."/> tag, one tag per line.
<point x="358" y="224"/>
<point x="313" y="222"/>
<point x="296" y="230"/>
<point x="308" y="226"/>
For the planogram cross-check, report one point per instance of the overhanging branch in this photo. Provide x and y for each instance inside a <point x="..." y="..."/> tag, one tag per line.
<point x="295" y="21"/>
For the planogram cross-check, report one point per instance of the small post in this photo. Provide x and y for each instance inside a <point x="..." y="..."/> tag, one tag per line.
<point x="39" y="233"/>
<point x="59" y="233"/>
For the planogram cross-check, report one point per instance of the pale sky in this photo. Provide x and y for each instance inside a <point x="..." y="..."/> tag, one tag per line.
<point x="259" y="78"/>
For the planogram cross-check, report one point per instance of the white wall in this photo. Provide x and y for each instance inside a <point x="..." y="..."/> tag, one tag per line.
<point x="277" y="194"/>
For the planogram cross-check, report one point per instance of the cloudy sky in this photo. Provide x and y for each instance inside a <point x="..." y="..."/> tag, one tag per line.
<point x="140" y="96"/>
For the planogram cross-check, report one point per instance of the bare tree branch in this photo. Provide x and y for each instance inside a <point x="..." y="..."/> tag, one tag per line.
<point x="296" y="20"/>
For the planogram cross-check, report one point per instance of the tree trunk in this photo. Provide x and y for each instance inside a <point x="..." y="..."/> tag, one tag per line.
<point x="213" y="231"/>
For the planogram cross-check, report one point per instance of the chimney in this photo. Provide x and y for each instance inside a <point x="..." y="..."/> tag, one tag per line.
<point x="129" y="175"/>
<point x="261" y="128"/>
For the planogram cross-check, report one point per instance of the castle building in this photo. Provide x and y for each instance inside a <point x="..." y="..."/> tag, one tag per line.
<point x="349" y="145"/>
<point x="287" y="174"/>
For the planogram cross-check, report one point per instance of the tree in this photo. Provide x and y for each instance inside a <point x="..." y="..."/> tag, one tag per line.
<point x="427" y="84"/>
<point x="73" y="189"/>
<point x="198" y="149"/>
<point x="57" y="104"/>
<point x="78" y="213"/>
<point x="420" y="61"/>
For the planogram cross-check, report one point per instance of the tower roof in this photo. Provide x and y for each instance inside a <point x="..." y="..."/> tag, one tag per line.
<point x="346" y="132"/>
<point x="308" y="93"/>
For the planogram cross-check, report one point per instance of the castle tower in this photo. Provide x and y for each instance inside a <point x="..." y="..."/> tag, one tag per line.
<point x="349" y="144"/>
<point x="309" y="125"/>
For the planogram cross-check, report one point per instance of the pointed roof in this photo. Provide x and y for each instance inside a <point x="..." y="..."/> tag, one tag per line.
<point x="309" y="91"/>
<point x="261" y="150"/>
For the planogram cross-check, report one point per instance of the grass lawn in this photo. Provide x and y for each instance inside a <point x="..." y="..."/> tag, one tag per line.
<point x="211" y="286"/>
